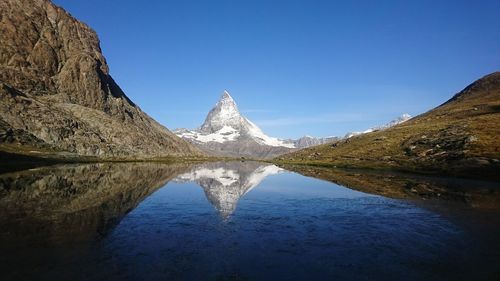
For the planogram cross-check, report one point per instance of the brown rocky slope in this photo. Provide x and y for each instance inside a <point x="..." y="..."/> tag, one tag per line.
<point x="460" y="137"/>
<point x="56" y="93"/>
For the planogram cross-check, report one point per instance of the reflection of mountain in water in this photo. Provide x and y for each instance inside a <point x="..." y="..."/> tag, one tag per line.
<point x="76" y="201"/>
<point x="225" y="183"/>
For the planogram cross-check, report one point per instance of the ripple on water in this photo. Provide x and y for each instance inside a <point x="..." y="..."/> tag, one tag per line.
<point x="247" y="227"/>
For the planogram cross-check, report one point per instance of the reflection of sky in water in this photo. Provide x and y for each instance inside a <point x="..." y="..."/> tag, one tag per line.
<point x="284" y="186"/>
<point x="255" y="223"/>
<point x="288" y="227"/>
<point x="225" y="186"/>
<point x="295" y="185"/>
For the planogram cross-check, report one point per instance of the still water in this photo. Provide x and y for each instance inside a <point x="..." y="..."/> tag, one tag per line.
<point x="241" y="221"/>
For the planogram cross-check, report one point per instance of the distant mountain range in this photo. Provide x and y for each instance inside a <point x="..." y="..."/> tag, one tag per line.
<point x="401" y="119"/>
<point x="459" y="137"/>
<point x="226" y="132"/>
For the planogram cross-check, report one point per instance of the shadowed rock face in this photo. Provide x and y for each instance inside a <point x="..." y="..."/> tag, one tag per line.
<point x="74" y="202"/>
<point x="55" y="88"/>
<point x="225" y="183"/>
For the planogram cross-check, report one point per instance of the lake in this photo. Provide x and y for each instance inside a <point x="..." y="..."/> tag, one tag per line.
<point x="244" y="221"/>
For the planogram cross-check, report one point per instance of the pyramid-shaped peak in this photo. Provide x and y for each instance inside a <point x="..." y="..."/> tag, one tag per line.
<point x="224" y="114"/>
<point x="226" y="96"/>
<point x="226" y="101"/>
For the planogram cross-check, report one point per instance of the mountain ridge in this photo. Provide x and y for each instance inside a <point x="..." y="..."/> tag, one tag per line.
<point x="458" y="137"/>
<point x="401" y="119"/>
<point x="226" y="132"/>
<point x="57" y="94"/>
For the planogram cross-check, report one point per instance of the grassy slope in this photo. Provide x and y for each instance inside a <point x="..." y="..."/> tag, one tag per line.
<point x="459" y="137"/>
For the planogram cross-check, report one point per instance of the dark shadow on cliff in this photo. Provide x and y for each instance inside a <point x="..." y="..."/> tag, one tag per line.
<point x="11" y="162"/>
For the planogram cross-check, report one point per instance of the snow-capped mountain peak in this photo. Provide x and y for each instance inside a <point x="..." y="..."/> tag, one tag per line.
<point x="401" y="119"/>
<point x="226" y="97"/>
<point x="226" y="103"/>
<point x="224" y="123"/>
<point x="225" y="113"/>
<point x="225" y="132"/>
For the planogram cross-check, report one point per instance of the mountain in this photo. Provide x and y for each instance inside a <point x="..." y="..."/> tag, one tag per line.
<point x="459" y="137"/>
<point x="57" y="95"/>
<point x="308" y="141"/>
<point x="225" y="183"/>
<point x="403" y="118"/>
<point x="226" y="132"/>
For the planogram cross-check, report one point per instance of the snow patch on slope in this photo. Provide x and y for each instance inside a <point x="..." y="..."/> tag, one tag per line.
<point x="262" y="138"/>
<point x="226" y="133"/>
<point x="401" y="119"/>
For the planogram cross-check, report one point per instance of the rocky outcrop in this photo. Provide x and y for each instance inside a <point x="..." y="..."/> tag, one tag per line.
<point x="56" y="88"/>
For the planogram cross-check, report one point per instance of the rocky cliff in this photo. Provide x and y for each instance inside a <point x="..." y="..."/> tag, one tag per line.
<point x="56" y="91"/>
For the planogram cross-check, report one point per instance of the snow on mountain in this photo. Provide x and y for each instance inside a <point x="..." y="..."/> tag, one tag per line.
<point x="225" y="132"/>
<point x="308" y="141"/>
<point x="401" y="119"/>
<point x="265" y="139"/>
<point x="224" y="123"/>
<point x="225" y="113"/>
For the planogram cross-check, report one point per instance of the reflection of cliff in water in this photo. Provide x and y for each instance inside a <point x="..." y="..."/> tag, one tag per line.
<point x="466" y="192"/>
<point x="224" y="183"/>
<point x="74" y="202"/>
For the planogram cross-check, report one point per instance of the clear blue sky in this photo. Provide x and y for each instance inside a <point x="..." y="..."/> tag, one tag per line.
<point x="294" y="67"/>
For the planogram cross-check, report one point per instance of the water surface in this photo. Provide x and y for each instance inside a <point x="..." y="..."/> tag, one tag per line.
<point x="238" y="221"/>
